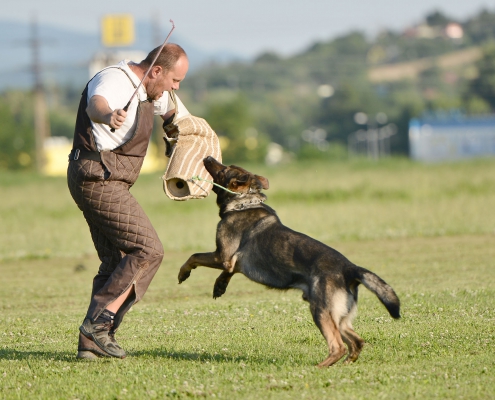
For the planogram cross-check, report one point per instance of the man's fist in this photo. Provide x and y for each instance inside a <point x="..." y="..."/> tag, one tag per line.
<point x="117" y="118"/>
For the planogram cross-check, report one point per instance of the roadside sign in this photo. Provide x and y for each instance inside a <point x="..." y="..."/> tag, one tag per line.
<point x="117" y="30"/>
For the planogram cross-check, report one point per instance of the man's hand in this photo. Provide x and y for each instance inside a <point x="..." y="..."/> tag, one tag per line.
<point x="99" y="112"/>
<point x="117" y="118"/>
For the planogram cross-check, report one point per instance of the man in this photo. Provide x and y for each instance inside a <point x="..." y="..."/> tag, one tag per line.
<point x="108" y="151"/>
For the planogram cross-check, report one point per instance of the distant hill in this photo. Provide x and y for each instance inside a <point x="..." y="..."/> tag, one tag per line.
<point x="430" y="68"/>
<point x="412" y="69"/>
<point x="64" y="54"/>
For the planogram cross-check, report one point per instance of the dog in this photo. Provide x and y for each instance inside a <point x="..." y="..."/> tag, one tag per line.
<point x="251" y="240"/>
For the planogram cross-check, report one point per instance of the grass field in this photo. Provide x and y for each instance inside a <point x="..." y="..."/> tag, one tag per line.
<point x="428" y="230"/>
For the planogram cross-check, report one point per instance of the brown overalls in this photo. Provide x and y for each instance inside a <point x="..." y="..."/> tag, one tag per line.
<point x="127" y="244"/>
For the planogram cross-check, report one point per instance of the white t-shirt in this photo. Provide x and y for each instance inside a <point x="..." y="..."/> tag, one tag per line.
<point x="115" y="86"/>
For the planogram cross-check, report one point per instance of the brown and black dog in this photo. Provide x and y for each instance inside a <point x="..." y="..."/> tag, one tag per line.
<point x="252" y="240"/>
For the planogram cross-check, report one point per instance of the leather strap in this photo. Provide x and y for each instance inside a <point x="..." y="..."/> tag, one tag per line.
<point x="77" y="154"/>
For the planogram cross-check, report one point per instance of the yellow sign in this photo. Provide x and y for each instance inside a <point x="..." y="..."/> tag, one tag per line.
<point x="117" y="30"/>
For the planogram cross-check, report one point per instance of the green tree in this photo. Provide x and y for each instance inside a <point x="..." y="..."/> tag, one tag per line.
<point x="483" y="86"/>
<point x="16" y="131"/>
<point x="475" y="105"/>
<point x="234" y="124"/>
<point x="437" y="19"/>
<point x="283" y="98"/>
<point x="336" y="113"/>
<point x="480" y="28"/>
<point x="62" y="124"/>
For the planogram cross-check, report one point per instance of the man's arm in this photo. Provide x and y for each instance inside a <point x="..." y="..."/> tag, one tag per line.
<point x="168" y="114"/>
<point x="99" y="112"/>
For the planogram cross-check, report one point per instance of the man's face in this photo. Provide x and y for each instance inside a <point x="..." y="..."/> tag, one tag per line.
<point x="161" y="81"/>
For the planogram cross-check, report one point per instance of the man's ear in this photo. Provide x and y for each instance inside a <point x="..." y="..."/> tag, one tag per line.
<point x="264" y="182"/>
<point x="156" y="70"/>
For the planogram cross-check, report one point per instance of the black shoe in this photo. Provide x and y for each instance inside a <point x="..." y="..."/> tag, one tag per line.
<point x="99" y="333"/>
<point x="111" y="335"/>
<point x="88" y="350"/>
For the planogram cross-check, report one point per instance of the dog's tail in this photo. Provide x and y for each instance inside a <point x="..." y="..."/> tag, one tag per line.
<point x="382" y="290"/>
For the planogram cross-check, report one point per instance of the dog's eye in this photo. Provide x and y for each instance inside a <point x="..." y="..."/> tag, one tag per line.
<point x="243" y="178"/>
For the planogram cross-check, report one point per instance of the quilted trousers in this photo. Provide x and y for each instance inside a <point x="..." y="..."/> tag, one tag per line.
<point x="127" y="244"/>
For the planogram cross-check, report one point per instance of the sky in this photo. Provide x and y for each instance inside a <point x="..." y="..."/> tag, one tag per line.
<point x="249" y="27"/>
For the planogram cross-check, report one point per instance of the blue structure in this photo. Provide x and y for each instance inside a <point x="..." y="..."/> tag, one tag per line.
<point x="451" y="138"/>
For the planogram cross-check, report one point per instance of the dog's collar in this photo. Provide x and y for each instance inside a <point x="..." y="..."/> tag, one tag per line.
<point x="244" y="204"/>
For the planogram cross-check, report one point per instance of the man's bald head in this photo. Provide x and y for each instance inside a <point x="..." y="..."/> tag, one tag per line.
<point x="168" y="57"/>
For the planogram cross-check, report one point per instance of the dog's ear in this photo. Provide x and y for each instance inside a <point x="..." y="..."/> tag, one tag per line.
<point x="264" y="181"/>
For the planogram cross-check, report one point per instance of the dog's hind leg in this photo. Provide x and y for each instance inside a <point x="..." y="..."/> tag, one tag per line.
<point x="324" y="321"/>
<point x="221" y="283"/>
<point x="353" y="341"/>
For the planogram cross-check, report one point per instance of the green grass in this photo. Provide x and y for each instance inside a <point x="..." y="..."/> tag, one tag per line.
<point x="428" y="230"/>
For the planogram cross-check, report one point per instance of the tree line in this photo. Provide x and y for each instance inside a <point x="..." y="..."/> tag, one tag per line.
<point x="309" y="103"/>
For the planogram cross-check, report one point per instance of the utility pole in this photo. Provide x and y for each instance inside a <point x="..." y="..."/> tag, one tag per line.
<point x="374" y="141"/>
<point x="157" y="31"/>
<point x="41" y="122"/>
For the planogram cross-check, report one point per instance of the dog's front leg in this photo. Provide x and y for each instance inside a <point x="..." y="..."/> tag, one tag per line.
<point x="221" y="283"/>
<point x="210" y="260"/>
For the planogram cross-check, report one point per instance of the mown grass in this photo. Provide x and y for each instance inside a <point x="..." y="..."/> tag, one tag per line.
<point x="428" y="230"/>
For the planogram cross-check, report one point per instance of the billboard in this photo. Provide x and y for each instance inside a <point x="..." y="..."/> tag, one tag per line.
<point x="117" y="30"/>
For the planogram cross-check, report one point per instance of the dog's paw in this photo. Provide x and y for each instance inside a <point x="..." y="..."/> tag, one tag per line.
<point x="183" y="275"/>
<point x="219" y="289"/>
<point x="217" y="292"/>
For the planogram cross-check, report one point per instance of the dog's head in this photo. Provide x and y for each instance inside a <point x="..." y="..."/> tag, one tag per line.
<point x="234" y="178"/>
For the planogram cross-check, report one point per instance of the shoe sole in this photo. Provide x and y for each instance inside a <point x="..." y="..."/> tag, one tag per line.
<point x="86" y="355"/>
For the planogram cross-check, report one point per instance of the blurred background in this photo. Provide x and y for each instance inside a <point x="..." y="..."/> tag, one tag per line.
<point x="312" y="80"/>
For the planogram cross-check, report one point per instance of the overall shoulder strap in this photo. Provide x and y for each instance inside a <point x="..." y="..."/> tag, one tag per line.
<point x="123" y="70"/>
